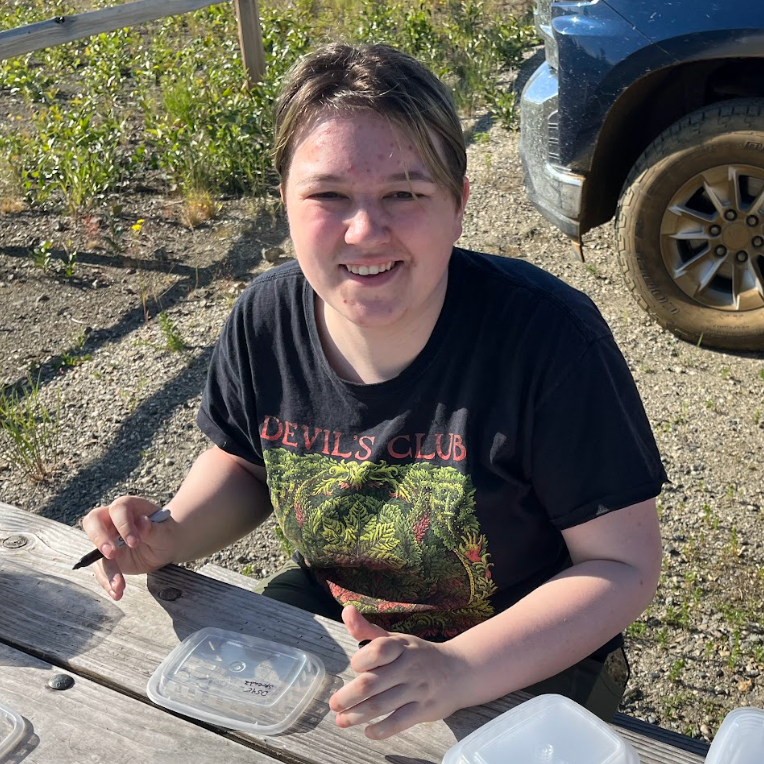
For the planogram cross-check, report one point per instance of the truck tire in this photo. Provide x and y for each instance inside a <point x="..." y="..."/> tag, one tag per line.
<point x="690" y="226"/>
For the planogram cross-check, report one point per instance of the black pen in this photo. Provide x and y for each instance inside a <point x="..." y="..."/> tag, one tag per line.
<point x="158" y="517"/>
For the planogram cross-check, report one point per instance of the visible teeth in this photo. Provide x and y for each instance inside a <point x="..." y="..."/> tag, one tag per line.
<point x="370" y="270"/>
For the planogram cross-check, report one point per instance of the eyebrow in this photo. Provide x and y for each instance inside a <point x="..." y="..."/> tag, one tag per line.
<point x="398" y="177"/>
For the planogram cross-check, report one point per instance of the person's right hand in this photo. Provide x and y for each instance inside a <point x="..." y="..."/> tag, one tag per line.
<point x="148" y="546"/>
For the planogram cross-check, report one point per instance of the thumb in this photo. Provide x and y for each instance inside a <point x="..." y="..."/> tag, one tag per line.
<point x="359" y="628"/>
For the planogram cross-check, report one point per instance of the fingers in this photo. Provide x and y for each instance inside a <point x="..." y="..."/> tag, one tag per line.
<point x="379" y="652"/>
<point x="405" y="717"/>
<point x="126" y="513"/>
<point x="368" y="685"/>
<point x="125" y="517"/>
<point x="359" y="627"/>
<point x="402" y="678"/>
<point x="376" y="705"/>
<point x="101" y="530"/>
<point x="110" y="577"/>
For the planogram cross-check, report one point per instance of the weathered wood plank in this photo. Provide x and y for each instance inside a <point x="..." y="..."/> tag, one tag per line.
<point x="61" y="29"/>
<point x="88" y="723"/>
<point x="62" y="615"/>
<point x="645" y="736"/>
<point x="219" y="573"/>
<point x="250" y="39"/>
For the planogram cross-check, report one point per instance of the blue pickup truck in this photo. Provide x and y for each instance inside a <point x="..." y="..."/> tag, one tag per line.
<point x="652" y="112"/>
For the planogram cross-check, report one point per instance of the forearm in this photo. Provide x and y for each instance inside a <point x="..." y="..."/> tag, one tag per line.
<point x="218" y="502"/>
<point x="549" y="630"/>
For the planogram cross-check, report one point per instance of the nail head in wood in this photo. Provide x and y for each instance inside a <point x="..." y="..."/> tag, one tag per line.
<point x="60" y="682"/>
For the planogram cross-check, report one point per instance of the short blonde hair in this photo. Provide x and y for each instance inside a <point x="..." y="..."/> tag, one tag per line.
<point x="381" y="79"/>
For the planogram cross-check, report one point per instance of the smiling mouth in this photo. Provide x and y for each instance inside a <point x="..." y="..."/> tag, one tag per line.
<point x="370" y="270"/>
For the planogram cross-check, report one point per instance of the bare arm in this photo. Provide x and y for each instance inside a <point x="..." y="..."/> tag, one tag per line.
<point x="616" y="565"/>
<point x="221" y="499"/>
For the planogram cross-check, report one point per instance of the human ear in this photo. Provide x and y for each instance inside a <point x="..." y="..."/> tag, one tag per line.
<point x="465" y="193"/>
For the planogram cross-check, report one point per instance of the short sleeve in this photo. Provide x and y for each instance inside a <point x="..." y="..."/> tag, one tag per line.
<point x="228" y="412"/>
<point x="593" y="449"/>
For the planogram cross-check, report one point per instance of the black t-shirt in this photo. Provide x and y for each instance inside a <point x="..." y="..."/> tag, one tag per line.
<point x="435" y="499"/>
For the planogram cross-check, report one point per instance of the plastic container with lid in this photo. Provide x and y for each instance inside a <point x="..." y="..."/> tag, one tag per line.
<point x="237" y="681"/>
<point x="740" y="739"/>
<point x="11" y="730"/>
<point x="548" y="729"/>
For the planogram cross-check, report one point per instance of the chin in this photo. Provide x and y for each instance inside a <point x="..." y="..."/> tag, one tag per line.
<point x="373" y="319"/>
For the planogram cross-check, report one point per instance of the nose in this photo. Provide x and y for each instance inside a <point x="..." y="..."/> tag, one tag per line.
<point x="366" y="225"/>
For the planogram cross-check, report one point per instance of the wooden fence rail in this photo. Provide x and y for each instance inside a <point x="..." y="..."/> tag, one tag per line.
<point x="61" y="29"/>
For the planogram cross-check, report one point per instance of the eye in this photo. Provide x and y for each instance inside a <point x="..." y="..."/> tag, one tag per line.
<point x="404" y="195"/>
<point x="327" y="195"/>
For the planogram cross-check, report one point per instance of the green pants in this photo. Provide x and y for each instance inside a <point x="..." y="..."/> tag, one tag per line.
<point x="596" y="685"/>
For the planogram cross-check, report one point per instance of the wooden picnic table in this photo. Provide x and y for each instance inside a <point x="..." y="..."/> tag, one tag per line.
<point x="54" y="620"/>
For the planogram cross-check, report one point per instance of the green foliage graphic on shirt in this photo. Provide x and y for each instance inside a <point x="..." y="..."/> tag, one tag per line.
<point x="400" y="542"/>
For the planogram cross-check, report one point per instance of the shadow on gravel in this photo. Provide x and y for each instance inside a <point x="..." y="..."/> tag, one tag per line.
<point x="81" y="493"/>
<point x="241" y="257"/>
<point x="124" y="455"/>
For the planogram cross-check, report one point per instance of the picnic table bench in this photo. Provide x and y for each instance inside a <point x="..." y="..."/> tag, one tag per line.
<point x="54" y="620"/>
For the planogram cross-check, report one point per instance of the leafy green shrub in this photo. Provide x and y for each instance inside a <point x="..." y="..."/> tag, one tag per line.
<point x="73" y="155"/>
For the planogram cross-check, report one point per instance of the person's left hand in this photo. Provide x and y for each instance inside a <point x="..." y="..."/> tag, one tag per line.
<point x="408" y="678"/>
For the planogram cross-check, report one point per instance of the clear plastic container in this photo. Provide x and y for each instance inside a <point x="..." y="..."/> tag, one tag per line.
<point x="237" y="681"/>
<point x="740" y="739"/>
<point x="548" y="729"/>
<point x="11" y="730"/>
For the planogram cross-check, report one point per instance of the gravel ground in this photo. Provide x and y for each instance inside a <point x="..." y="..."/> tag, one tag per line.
<point x="127" y="405"/>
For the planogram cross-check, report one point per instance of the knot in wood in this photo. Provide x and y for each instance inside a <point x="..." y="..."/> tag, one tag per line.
<point x="14" y="542"/>
<point x="169" y="594"/>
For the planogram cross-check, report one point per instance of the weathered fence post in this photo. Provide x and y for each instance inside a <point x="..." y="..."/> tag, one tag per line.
<point x="250" y="39"/>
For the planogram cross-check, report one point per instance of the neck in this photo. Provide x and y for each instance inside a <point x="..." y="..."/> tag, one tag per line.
<point x="369" y="355"/>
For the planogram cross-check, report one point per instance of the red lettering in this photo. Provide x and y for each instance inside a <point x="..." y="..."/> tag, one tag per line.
<point x="325" y="449"/>
<point x="264" y="431"/>
<point x="336" y="451"/>
<point x="438" y="443"/>
<point x="419" y="455"/>
<point x="308" y="440"/>
<point x="358" y="455"/>
<point x="460" y="452"/>
<point x="391" y="447"/>
<point x="288" y="431"/>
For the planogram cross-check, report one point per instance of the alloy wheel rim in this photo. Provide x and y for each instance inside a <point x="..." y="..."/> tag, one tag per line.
<point x="712" y="238"/>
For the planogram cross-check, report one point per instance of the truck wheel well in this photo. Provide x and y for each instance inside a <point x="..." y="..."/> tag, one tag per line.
<point x="646" y="109"/>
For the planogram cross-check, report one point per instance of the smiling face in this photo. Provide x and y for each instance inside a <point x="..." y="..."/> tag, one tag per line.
<point x="372" y="231"/>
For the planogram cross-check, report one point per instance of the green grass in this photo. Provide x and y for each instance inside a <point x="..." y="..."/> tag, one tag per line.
<point x="170" y="97"/>
<point x="29" y="431"/>
<point x="173" y="340"/>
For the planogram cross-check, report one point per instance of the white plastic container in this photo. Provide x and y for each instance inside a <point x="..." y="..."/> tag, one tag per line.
<point x="237" y="681"/>
<point x="740" y="738"/>
<point x="11" y="730"/>
<point x="548" y="729"/>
